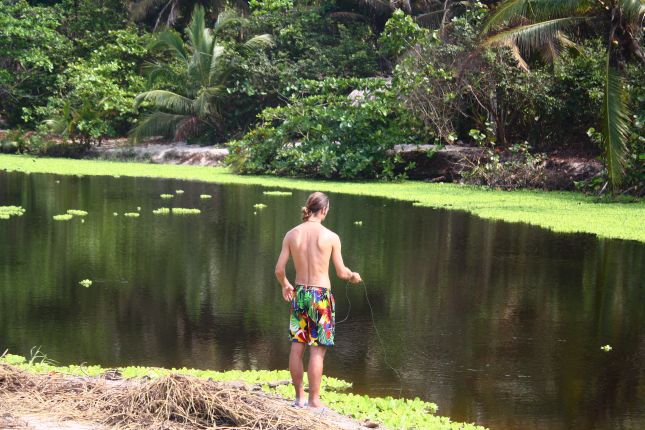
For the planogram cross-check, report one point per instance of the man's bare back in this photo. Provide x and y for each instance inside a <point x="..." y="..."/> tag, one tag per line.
<point x="311" y="246"/>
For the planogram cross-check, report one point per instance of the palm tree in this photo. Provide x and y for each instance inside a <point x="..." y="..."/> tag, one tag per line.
<point x="206" y="67"/>
<point x="529" y="24"/>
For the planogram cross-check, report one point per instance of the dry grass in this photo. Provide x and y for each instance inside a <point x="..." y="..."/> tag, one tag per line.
<point x="173" y="402"/>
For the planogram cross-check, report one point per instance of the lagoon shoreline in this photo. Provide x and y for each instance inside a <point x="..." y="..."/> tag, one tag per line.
<point x="558" y="211"/>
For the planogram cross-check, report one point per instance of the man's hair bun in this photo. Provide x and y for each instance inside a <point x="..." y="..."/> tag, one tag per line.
<point x="315" y="203"/>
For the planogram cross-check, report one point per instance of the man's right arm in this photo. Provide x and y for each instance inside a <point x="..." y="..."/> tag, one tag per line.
<point x="342" y="271"/>
<point x="281" y="272"/>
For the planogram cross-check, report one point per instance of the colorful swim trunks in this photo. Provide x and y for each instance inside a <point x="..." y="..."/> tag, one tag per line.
<point x="313" y="313"/>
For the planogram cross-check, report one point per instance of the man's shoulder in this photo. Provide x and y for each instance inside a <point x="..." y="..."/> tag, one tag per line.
<point x="330" y="234"/>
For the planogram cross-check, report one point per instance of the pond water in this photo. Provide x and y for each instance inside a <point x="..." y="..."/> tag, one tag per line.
<point x="497" y="323"/>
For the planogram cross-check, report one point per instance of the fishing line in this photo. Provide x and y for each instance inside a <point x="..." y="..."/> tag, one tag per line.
<point x="378" y="334"/>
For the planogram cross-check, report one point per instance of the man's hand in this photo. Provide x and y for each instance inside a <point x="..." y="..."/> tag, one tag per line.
<point x="287" y="292"/>
<point x="355" y="278"/>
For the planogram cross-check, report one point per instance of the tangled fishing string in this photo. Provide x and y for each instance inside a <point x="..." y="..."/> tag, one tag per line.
<point x="378" y="335"/>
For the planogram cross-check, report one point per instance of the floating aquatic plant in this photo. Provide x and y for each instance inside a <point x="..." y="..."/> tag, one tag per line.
<point x="358" y="222"/>
<point x="131" y="214"/>
<point x="87" y="283"/>
<point x="185" y="211"/>
<point x="259" y="205"/>
<point x="167" y="196"/>
<point x="205" y="196"/>
<point x="606" y="348"/>
<point x="179" y="191"/>
<point x="76" y="212"/>
<point x="161" y="211"/>
<point x="63" y="217"/>
<point x="7" y="212"/>
<point x="277" y="193"/>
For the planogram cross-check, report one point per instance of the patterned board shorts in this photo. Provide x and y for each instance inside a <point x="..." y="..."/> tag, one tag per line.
<point x="313" y="316"/>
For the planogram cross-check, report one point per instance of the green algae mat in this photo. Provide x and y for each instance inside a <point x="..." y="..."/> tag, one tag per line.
<point x="564" y="212"/>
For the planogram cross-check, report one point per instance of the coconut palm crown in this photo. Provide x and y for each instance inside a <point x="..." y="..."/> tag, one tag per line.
<point x="525" y="25"/>
<point x="205" y="69"/>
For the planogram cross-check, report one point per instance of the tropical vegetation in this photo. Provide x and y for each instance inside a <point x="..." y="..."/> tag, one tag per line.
<point x="324" y="88"/>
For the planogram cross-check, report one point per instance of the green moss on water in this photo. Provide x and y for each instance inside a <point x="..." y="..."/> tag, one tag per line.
<point x="185" y="211"/>
<point x="277" y="193"/>
<point x="393" y="413"/>
<point x="7" y="212"/>
<point x="76" y="212"/>
<point x="559" y="211"/>
<point x="63" y="217"/>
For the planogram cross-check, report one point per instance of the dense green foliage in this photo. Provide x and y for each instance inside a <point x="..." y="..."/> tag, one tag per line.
<point x="524" y="25"/>
<point x="74" y="68"/>
<point x="203" y="78"/>
<point x="32" y="53"/>
<point x="335" y="128"/>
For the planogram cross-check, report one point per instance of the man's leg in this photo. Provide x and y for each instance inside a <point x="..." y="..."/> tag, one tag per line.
<point x="297" y="370"/>
<point x="314" y="373"/>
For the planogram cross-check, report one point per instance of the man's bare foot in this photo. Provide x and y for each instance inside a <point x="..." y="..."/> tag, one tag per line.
<point x="299" y="403"/>
<point x="316" y="404"/>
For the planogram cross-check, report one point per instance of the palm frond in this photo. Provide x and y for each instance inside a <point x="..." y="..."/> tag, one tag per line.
<point x="166" y="100"/>
<point x="534" y="10"/>
<point x="615" y="123"/>
<point x="156" y="71"/>
<point x="170" y="41"/>
<point x="226" y="19"/>
<point x="196" y="26"/>
<point x="258" y="42"/>
<point x="204" y="105"/>
<point x="216" y="64"/>
<point x="565" y="42"/>
<point x="532" y="36"/>
<point x="156" y="124"/>
<point x="633" y="11"/>
<point x="517" y="55"/>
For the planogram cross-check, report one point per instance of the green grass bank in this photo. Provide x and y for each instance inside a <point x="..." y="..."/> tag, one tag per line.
<point x="391" y="412"/>
<point x="564" y="212"/>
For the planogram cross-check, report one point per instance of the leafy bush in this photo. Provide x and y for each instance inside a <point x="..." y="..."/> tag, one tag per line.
<point x="401" y="33"/>
<point x="336" y="128"/>
<point x="95" y="95"/>
<point x="32" y="52"/>
<point x="513" y="169"/>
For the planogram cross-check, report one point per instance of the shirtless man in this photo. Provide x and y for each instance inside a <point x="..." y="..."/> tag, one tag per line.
<point x="312" y="304"/>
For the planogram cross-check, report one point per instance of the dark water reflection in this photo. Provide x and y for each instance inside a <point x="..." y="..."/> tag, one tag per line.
<point x="496" y="323"/>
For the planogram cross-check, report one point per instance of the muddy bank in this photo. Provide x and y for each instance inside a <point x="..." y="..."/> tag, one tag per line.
<point x="431" y="162"/>
<point x="159" y="152"/>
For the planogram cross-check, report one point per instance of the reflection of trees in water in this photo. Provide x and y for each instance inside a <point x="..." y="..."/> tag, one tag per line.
<point x="487" y="319"/>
